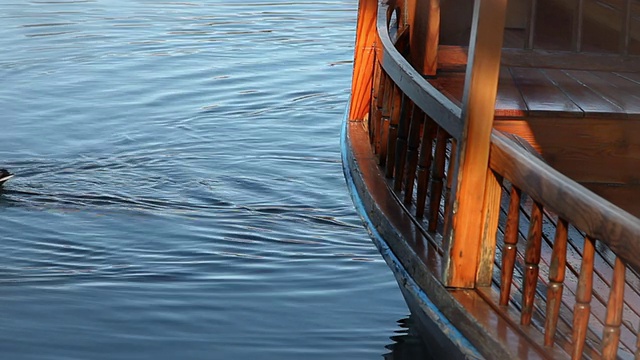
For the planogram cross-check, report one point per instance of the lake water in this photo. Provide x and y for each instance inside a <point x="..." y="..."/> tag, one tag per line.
<point x="179" y="193"/>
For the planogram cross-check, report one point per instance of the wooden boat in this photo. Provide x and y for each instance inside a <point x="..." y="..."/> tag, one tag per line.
<point x="493" y="152"/>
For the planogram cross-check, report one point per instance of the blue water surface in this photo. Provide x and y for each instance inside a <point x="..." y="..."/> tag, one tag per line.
<point x="179" y="193"/>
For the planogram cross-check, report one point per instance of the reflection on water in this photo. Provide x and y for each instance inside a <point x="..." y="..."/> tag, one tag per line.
<point x="408" y="344"/>
<point x="179" y="192"/>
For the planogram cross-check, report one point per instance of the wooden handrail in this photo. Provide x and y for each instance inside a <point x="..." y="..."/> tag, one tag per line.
<point x="424" y="95"/>
<point x="590" y="213"/>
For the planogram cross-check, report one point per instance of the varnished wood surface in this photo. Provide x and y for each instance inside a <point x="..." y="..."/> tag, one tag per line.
<point x="529" y="92"/>
<point x="598" y="219"/>
<point x="582" y="307"/>
<point x="464" y="236"/>
<point x="440" y="108"/>
<point x="493" y="335"/>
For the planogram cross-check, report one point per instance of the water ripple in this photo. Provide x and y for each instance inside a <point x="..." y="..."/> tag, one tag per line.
<point x="178" y="189"/>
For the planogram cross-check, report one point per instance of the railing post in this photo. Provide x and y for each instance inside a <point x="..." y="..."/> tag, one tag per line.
<point x="363" y="59"/>
<point x="464" y="238"/>
<point x="424" y="26"/>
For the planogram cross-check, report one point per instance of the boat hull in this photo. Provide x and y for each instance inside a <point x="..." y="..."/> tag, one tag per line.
<point x="443" y="339"/>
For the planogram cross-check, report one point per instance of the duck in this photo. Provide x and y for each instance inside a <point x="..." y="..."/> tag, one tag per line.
<point x="4" y="176"/>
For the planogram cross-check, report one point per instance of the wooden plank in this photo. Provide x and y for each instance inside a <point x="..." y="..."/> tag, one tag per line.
<point x="591" y="102"/>
<point x="635" y="77"/>
<point x="514" y="337"/>
<point x="543" y="97"/>
<point x="463" y="239"/>
<point x="614" y="88"/>
<point x="454" y="58"/>
<point x="617" y="229"/>
<point x="625" y="196"/>
<point x="597" y="150"/>
<point x="509" y="102"/>
<point x="531" y="333"/>
<point x="450" y="84"/>
<point x="491" y="214"/>
<point x="363" y="59"/>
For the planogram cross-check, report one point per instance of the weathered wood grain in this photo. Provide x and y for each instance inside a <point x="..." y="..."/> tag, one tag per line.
<point x="491" y="214"/>
<point x="464" y="236"/>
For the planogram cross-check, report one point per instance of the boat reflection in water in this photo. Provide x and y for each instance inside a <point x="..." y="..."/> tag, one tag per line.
<point x="408" y="344"/>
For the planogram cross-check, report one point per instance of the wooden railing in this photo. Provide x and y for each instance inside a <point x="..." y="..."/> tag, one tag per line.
<point x="421" y="139"/>
<point x="574" y="206"/>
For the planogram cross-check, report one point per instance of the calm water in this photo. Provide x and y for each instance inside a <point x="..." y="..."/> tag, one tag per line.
<point x="179" y="190"/>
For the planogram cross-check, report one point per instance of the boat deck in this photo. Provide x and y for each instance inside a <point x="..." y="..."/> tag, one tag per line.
<point x="529" y="92"/>
<point x="596" y="113"/>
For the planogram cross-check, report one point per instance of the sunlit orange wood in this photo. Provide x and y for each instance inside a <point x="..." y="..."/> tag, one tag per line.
<point x="463" y="239"/>
<point x="611" y="335"/>
<point x="491" y="215"/>
<point x="582" y="307"/>
<point x="433" y="38"/>
<point x="363" y="59"/>
<point x="424" y="23"/>
<point x="556" y="278"/>
<point x="510" y="242"/>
